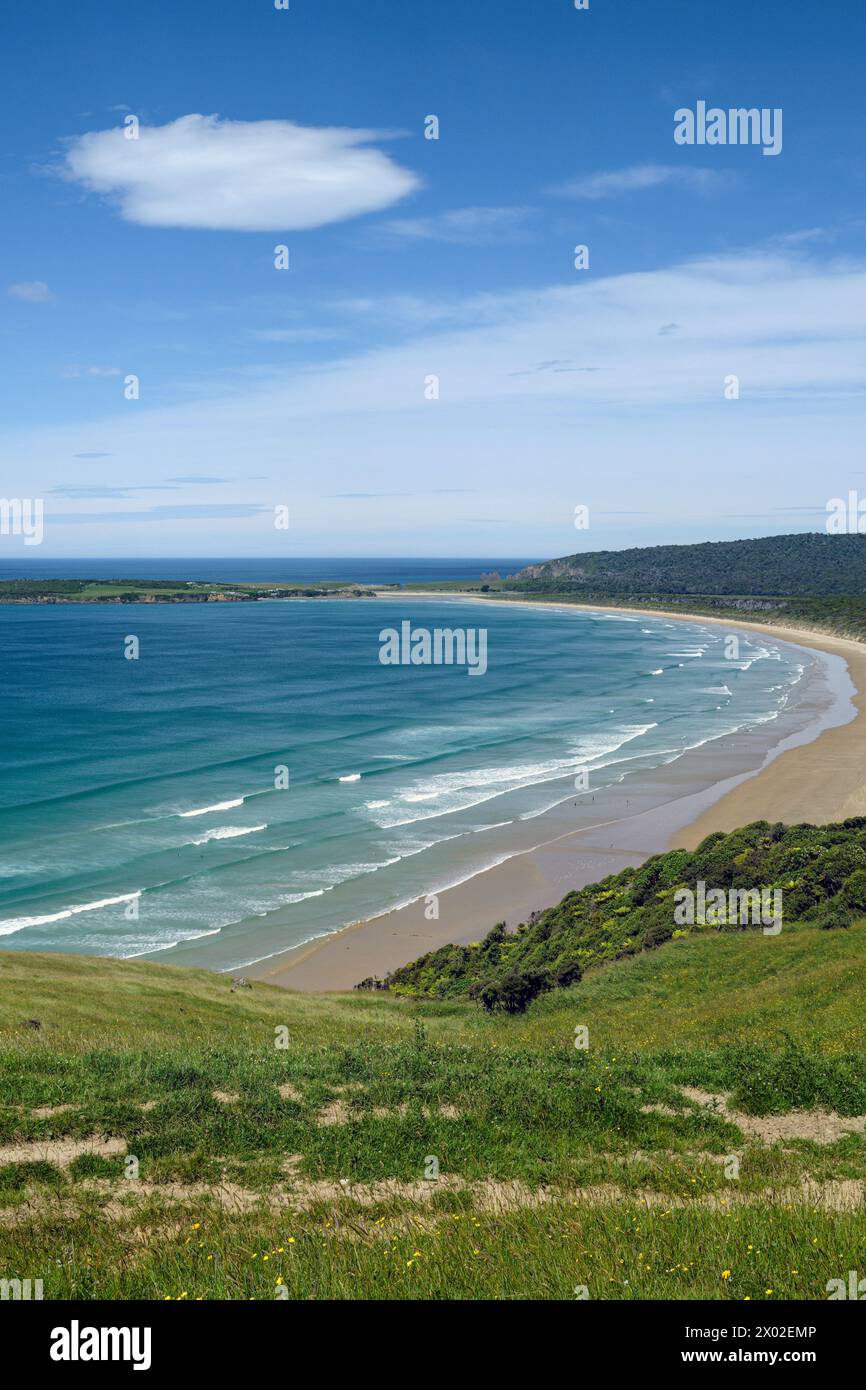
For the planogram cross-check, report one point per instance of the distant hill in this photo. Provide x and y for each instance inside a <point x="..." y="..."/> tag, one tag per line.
<point x="164" y="591"/>
<point x="810" y="564"/>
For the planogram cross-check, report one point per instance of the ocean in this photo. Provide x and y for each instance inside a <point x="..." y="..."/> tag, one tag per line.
<point x="257" y="777"/>
<point x="265" y="570"/>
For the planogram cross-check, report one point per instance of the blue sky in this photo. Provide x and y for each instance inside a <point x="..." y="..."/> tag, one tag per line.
<point x="412" y="258"/>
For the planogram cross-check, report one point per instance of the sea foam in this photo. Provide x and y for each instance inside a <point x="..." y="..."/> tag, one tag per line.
<point x="14" y="924"/>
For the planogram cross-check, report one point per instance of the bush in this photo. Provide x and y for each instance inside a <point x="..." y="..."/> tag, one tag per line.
<point x="513" y="993"/>
<point x="855" y="890"/>
<point x="658" y="934"/>
<point x="821" y="871"/>
<point x="834" y="915"/>
<point x="567" y="974"/>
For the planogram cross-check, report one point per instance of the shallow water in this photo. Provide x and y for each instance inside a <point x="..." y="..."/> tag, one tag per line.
<point x="139" y="811"/>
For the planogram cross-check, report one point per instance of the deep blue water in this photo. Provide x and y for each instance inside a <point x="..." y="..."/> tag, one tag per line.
<point x="141" y="805"/>
<point x="295" y="571"/>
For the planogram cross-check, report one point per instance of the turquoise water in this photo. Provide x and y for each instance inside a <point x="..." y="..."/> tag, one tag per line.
<point x="139" y="811"/>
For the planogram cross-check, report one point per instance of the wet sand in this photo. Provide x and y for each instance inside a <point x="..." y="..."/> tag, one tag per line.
<point x="816" y="773"/>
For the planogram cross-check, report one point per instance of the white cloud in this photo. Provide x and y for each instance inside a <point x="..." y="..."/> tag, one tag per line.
<point x="296" y="335"/>
<point x="639" y="176"/>
<point x="463" y="226"/>
<point x="548" y="398"/>
<point x="70" y="373"/>
<point x="200" y="171"/>
<point x="35" y="291"/>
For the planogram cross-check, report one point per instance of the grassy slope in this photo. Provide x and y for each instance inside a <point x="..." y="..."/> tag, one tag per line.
<point x="818" y="872"/>
<point x="711" y="1011"/>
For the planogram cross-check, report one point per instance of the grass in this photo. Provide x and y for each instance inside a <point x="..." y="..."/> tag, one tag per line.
<point x="719" y="988"/>
<point x="622" y="1252"/>
<point x="558" y="1167"/>
<point x="159" y="590"/>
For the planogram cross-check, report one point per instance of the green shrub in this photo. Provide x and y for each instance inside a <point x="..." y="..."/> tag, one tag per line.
<point x="821" y="871"/>
<point x="514" y="993"/>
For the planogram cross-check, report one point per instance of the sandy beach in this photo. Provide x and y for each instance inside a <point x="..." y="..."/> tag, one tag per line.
<point x="817" y="778"/>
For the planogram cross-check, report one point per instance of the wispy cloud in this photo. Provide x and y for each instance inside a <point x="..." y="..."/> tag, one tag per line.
<point x="296" y="335"/>
<point x="92" y="492"/>
<point x="612" y="183"/>
<point x="789" y="325"/>
<point x="785" y="323"/>
<point x="192" y="512"/>
<point x="557" y="364"/>
<point x="477" y="226"/>
<point x="426" y="492"/>
<point x="193" y="479"/>
<point x="201" y="171"/>
<point x="71" y="373"/>
<point x="33" y="291"/>
<point x="76" y="492"/>
<point x="807" y="234"/>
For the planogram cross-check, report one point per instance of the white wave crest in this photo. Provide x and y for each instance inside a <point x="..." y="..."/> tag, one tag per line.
<point x="169" y="945"/>
<point x="227" y="832"/>
<point x="460" y="791"/>
<point x="14" y="924"/>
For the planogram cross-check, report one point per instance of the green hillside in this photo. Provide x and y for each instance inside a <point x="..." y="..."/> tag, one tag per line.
<point x="811" y="581"/>
<point x="811" y="563"/>
<point x="157" y="1140"/>
<point x="818" y="872"/>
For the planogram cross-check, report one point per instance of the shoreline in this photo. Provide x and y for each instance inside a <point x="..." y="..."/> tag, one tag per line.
<point x="811" y="774"/>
